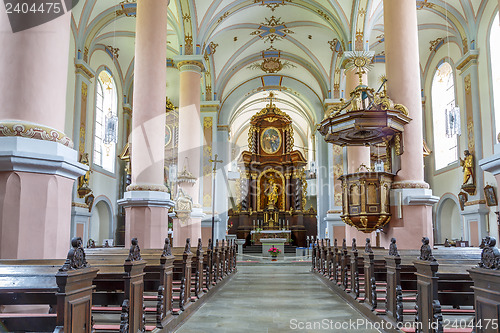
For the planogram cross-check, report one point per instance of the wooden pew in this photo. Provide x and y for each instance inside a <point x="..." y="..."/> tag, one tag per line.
<point x="69" y="288"/>
<point x="486" y="277"/>
<point x="385" y="279"/>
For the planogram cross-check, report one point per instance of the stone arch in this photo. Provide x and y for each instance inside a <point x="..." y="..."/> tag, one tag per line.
<point x="448" y="219"/>
<point x="102" y="220"/>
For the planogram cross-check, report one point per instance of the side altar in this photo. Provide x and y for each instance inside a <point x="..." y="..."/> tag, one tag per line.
<point x="271" y="191"/>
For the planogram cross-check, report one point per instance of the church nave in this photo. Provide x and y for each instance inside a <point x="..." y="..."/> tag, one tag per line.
<point x="273" y="298"/>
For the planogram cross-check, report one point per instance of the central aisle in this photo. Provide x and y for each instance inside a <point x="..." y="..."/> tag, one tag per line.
<point x="275" y="298"/>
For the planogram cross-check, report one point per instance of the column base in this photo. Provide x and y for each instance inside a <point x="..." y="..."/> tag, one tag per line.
<point x="36" y="185"/>
<point x="411" y="218"/>
<point x="80" y="221"/>
<point x="475" y="223"/>
<point x="146" y="217"/>
<point x="206" y="228"/>
<point x="188" y="227"/>
<point x="336" y="228"/>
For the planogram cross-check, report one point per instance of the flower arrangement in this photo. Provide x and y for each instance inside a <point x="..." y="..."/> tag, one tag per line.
<point x="274" y="251"/>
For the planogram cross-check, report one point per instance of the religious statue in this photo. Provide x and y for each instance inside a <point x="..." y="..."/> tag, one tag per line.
<point x="468" y="167"/>
<point x="83" y="181"/>
<point x="272" y="193"/>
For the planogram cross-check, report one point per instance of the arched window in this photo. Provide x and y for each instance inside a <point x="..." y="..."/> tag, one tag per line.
<point x="446" y="116"/>
<point x="495" y="70"/>
<point x="106" y="122"/>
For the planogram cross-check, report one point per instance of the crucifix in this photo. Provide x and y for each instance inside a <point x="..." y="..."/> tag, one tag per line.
<point x="214" y="161"/>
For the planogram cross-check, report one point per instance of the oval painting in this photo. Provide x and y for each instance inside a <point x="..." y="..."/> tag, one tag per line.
<point x="270" y="140"/>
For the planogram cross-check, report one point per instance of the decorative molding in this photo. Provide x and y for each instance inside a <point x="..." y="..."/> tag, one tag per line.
<point x="147" y="187"/>
<point x="469" y="59"/>
<point x="29" y="130"/>
<point x="38" y="156"/>
<point x="475" y="202"/>
<point x="409" y="184"/>
<point x="83" y="69"/>
<point x="146" y="199"/>
<point x="191" y="65"/>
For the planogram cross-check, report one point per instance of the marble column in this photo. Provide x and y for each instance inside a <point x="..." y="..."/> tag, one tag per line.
<point x="38" y="164"/>
<point x="403" y="86"/>
<point x="146" y="201"/>
<point x="188" y="223"/>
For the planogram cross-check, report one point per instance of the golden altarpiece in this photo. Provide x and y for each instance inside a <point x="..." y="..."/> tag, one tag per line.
<point x="271" y="191"/>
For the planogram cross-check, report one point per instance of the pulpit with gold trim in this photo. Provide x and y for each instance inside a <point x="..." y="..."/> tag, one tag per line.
<point x="271" y="189"/>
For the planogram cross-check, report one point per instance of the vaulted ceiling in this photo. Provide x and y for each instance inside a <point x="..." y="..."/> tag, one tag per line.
<point x="293" y="47"/>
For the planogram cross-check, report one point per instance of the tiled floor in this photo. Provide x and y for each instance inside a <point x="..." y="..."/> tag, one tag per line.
<point x="275" y="298"/>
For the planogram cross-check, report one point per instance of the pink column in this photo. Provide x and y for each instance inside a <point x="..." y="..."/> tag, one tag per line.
<point x="37" y="163"/>
<point x="190" y="146"/>
<point x="356" y="155"/>
<point x="146" y="201"/>
<point x="150" y="90"/>
<point x="403" y="86"/>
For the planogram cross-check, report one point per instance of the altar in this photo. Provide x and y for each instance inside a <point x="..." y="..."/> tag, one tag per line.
<point x="271" y="191"/>
<point x="268" y="243"/>
<point x="257" y="236"/>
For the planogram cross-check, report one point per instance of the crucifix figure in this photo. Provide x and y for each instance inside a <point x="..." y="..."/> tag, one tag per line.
<point x="214" y="161"/>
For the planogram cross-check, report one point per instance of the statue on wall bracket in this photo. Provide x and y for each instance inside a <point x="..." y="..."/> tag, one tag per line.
<point x="467" y="165"/>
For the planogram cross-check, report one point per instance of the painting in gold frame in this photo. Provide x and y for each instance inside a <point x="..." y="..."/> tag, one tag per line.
<point x="270" y="140"/>
<point x="490" y="195"/>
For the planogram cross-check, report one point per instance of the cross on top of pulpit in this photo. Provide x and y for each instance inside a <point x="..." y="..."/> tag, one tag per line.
<point x="215" y="161"/>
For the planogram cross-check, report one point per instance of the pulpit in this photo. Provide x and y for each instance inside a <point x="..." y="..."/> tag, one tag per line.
<point x="271" y="189"/>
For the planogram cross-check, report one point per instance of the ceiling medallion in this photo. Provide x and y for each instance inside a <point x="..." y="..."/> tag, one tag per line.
<point x="272" y="65"/>
<point x="272" y="4"/>
<point x="272" y="30"/>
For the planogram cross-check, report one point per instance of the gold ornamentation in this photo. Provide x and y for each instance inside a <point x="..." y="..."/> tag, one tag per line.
<point x="409" y="184"/>
<point x="226" y="14"/>
<point x="271" y="109"/>
<point x="272" y="5"/>
<point x="467" y="165"/>
<point x="271" y="119"/>
<point x="79" y="205"/>
<point x="81" y="68"/>
<point x="192" y="63"/>
<point x="471" y="58"/>
<point x="114" y="51"/>
<point x="397" y="144"/>
<point x="470" y="136"/>
<point x="259" y="180"/>
<point x="207" y="200"/>
<point x="188" y="48"/>
<point x="169" y="106"/>
<point x="207" y="122"/>
<point x="336" y="46"/>
<point x="213" y="47"/>
<point x="83" y="181"/>
<point x="270" y="34"/>
<point x="304" y="188"/>
<point x="155" y="188"/>
<point x="434" y="43"/>
<point x="475" y="202"/>
<point x="272" y="65"/>
<point x="467" y="83"/>
<point x="33" y="131"/>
